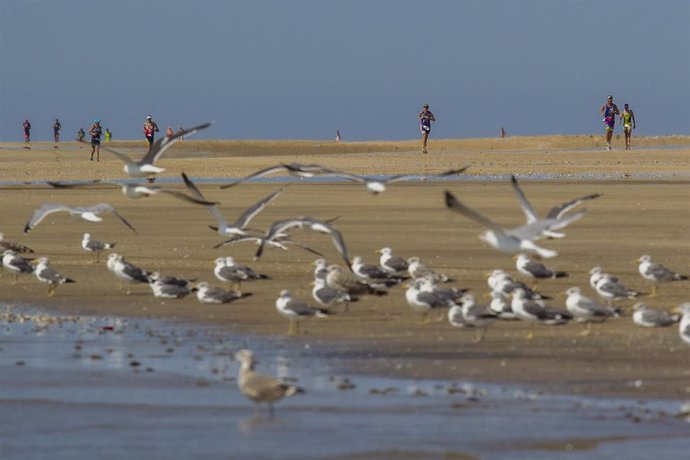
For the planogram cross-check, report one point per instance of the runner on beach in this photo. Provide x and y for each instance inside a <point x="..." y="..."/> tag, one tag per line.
<point x="81" y="134"/>
<point x="150" y="129"/>
<point x="27" y="130"/>
<point x="609" y="111"/>
<point x="425" y="119"/>
<point x="95" y="131"/>
<point x="628" y="120"/>
<point x="57" y="127"/>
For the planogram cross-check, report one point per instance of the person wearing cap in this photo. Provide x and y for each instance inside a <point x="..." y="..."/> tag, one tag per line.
<point x="609" y="111"/>
<point x="96" y="131"/>
<point x="27" y="130"/>
<point x="628" y="120"/>
<point x="150" y="128"/>
<point x="425" y="119"/>
<point x="57" y="127"/>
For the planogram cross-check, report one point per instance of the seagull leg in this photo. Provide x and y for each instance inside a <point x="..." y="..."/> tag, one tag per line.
<point x="98" y="256"/>
<point x="16" y="278"/>
<point x="588" y="329"/>
<point x="530" y="335"/>
<point x="655" y="291"/>
<point x="51" y="290"/>
<point x="478" y="335"/>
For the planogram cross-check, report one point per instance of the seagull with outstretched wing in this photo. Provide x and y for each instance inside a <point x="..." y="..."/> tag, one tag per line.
<point x="88" y="213"/>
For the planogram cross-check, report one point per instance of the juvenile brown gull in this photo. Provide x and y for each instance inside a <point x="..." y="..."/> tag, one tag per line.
<point x="258" y="387"/>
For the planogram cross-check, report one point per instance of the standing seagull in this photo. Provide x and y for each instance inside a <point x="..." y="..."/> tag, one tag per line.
<point x="390" y="263"/>
<point x="212" y="295"/>
<point x="418" y="270"/>
<point x="517" y="240"/>
<point x="230" y="272"/>
<point x="12" y="246"/>
<point x="88" y="213"/>
<point x="296" y="311"/>
<point x="45" y="274"/>
<point x="328" y="296"/>
<point x="422" y="302"/>
<point x="146" y="166"/>
<point x="645" y="316"/>
<point x="684" y="327"/>
<point x="126" y="271"/>
<point x="586" y="310"/>
<point x="16" y="263"/>
<point x="373" y="275"/>
<point x="555" y="213"/>
<point x="536" y="311"/>
<point x="95" y="246"/>
<point x="477" y="316"/>
<point x="609" y="288"/>
<point x="657" y="273"/>
<point x="258" y="387"/>
<point x="534" y="269"/>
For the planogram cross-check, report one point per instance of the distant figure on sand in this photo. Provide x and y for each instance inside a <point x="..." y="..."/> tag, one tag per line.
<point x="150" y="129"/>
<point x="503" y="133"/>
<point x="108" y="135"/>
<point x="337" y="135"/>
<point x="169" y="132"/>
<point x="95" y="131"/>
<point x="180" y="130"/>
<point x="27" y="130"/>
<point x="628" y="120"/>
<point x="609" y="111"/>
<point x="81" y="134"/>
<point x="425" y="119"/>
<point x="57" y="127"/>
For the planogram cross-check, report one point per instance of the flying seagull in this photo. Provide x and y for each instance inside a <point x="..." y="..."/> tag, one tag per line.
<point x="282" y="226"/>
<point x="293" y="169"/>
<point x="378" y="185"/>
<point x="517" y="240"/>
<point x="88" y="213"/>
<point x="239" y="226"/>
<point x="134" y="190"/>
<point x="146" y="166"/>
<point x="556" y="212"/>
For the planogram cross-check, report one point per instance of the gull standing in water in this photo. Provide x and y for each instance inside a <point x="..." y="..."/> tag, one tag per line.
<point x="517" y="240"/>
<point x="556" y="212"/>
<point x="87" y="213"/>
<point x="586" y="310"/>
<point x="146" y="166"/>
<point x="657" y="273"/>
<point x="258" y="387"/>
<point x="296" y="311"/>
<point x="45" y="274"/>
<point x="95" y="246"/>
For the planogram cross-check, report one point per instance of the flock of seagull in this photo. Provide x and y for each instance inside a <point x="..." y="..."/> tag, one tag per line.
<point x="426" y="290"/>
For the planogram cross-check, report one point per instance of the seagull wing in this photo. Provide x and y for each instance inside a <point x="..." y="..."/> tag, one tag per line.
<point x="164" y="143"/>
<point x="91" y="183"/>
<point x="255" y="209"/>
<point x="537" y="269"/>
<point x="124" y="158"/>
<point x="455" y="205"/>
<point x="260" y="173"/>
<point x="661" y="273"/>
<point x="119" y="216"/>
<point x="42" y="212"/>
<point x="527" y="208"/>
<point x="557" y="211"/>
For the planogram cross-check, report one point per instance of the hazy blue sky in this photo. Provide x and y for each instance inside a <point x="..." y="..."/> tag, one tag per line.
<point x="302" y="69"/>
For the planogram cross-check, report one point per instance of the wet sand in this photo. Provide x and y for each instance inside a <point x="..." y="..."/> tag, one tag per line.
<point x="382" y="335"/>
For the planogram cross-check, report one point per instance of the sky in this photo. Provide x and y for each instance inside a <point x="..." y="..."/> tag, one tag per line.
<point x="300" y="69"/>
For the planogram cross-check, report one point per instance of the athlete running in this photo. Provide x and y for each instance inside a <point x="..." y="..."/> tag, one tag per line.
<point x="628" y="120"/>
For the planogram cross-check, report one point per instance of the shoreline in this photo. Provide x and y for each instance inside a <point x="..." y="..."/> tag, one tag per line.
<point x="410" y="218"/>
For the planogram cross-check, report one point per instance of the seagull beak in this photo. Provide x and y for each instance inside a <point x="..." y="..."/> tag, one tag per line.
<point x="378" y="251"/>
<point x="675" y="310"/>
<point x="515" y="257"/>
<point x="487" y="274"/>
<point x="487" y="295"/>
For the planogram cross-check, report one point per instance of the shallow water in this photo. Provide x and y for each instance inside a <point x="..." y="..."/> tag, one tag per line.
<point x="90" y="387"/>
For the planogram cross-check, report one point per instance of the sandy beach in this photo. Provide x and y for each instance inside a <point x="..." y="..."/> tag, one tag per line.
<point x="643" y="210"/>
